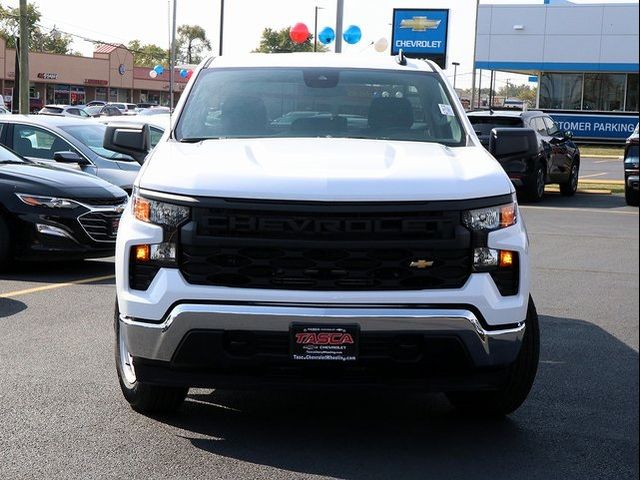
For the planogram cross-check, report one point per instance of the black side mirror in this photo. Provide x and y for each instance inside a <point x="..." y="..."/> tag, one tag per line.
<point x="513" y="142"/>
<point x="70" y="157"/>
<point x="132" y="140"/>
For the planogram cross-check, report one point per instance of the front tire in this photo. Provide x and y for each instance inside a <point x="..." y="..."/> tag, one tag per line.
<point x="520" y="377"/>
<point x="142" y="397"/>
<point x="5" y="245"/>
<point x="570" y="187"/>
<point x="630" y="195"/>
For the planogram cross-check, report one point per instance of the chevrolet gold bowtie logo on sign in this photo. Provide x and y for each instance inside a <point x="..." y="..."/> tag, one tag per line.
<point x="421" y="264"/>
<point x="420" y="24"/>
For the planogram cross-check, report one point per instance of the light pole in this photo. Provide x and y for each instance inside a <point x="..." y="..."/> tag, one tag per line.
<point x="315" y="28"/>
<point x="475" y="52"/>
<point x="172" y="59"/>
<point x="455" y="73"/>
<point x="339" y="20"/>
<point x="221" y="25"/>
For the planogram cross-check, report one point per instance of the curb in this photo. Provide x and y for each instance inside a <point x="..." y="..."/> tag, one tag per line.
<point x="601" y="182"/>
<point x="605" y="157"/>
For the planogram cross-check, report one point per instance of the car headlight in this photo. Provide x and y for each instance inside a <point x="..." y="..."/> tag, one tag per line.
<point x="164" y="214"/>
<point x="47" y="202"/>
<point x="491" y="218"/>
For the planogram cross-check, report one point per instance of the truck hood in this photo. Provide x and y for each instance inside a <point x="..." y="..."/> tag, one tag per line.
<point x="324" y="169"/>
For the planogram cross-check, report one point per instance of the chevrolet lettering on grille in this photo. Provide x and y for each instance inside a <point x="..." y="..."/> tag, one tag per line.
<point x="249" y="224"/>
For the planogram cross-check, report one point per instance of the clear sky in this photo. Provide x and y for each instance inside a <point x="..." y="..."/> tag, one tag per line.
<point x="120" y="21"/>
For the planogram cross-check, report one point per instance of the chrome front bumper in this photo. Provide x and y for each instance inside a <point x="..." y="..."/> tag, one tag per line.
<point x="159" y="341"/>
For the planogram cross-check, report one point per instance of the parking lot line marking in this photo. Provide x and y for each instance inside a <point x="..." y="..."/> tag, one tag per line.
<point x="607" y="161"/>
<point x="569" y="209"/>
<point x="593" y="175"/>
<point x="52" y="286"/>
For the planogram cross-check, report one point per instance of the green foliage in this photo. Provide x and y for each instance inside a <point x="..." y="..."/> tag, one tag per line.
<point x="39" y="40"/>
<point x="278" y="41"/>
<point x="192" y="41"/>
<point x="148" y="55"/>
<point x="522" y="92"/>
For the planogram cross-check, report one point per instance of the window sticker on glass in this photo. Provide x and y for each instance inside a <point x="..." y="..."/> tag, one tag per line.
<point x="446" y="110"/>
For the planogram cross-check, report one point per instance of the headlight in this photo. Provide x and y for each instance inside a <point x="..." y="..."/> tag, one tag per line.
<point x="47" y="202"/>
<point x="491" y="218"/>
<point x="159" y="213"/>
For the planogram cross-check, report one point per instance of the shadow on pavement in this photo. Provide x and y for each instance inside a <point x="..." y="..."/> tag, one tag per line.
<point x="580" y="201"/>
<point x="580" y="421"/>
<point x="59" y="272"/>
<point x="10" y="307"/>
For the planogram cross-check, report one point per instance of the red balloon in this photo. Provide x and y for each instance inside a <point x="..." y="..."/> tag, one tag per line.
<point x="189" y="73"/>
<point x="299" y="33"/>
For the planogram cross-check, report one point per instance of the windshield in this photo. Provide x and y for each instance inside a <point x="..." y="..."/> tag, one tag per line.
<point x="7" y="156"/>
<point x="92" y="136"/>
<point x="295" y="102"/>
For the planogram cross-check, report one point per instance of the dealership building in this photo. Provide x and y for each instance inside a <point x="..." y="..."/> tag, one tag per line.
<point x="109" y="75"/>
<point x="583" y="57"/>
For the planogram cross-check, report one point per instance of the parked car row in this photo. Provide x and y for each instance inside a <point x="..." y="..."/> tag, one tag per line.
<point x="98" y="108"/>
<point x="61" y="191"/>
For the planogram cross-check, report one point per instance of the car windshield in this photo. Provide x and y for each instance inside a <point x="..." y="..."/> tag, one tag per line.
<point x="7" y="156"/>
<point x="92" y="136"/>
<point x="317" y="102"/>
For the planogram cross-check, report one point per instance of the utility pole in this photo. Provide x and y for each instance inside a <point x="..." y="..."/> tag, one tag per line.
<point x="222" y="25"/>
<point x="455" y="73"/>
<point x="315" y="29"/>
<point x="172" y="59"/>
<point x="475" y="52"/>
<point x="339" y="21"/>
<point x="24" y="59"/>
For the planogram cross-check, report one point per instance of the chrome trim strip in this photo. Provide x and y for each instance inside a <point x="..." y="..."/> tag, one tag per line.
<point x="311" y="312"/>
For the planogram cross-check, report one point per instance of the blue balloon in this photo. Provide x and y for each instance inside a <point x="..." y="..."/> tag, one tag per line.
<point x="352" y="35"/>
<point x="184" y="73"/>
<point x="326" y="36"/>
<point x="159" y="69"/>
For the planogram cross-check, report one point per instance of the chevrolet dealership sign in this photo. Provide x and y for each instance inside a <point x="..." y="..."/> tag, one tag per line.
<point x="421" y="34"/>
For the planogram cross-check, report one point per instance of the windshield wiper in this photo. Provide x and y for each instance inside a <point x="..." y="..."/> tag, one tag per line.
<point x="197" y="139"/>
<point x="13" y="162"/>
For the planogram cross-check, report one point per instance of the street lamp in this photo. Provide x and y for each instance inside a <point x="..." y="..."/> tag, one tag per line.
<point x="315" y="29"/>
<point x="455" y="73"/>
<point x="221" y="26"/>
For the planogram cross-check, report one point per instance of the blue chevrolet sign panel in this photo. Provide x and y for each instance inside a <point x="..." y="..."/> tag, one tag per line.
<point x="421" y="33"/>
<point x="596" y="127"/>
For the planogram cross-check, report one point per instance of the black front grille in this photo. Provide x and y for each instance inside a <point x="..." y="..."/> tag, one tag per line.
<point x="100" y="202"/>
<point x="101" y="226"/>
<point x="325" y="247"/>
<point x="238" y="350"/>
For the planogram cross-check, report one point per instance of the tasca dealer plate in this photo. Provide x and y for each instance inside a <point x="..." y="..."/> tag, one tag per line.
<point x="328" y="343"/>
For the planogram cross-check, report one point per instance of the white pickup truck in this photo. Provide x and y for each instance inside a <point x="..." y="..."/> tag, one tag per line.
<point x="368" y="241"/>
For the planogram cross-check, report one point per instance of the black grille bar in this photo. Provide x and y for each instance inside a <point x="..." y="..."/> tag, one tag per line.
<point x="317" y="247"/>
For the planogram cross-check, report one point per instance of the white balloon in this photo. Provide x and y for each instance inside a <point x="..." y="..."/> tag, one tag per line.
<point x="381" y="44"/>
<point x="153" y="73"/>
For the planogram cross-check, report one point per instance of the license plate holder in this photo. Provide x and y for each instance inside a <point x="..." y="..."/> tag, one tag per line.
<point x="324" y="343"/>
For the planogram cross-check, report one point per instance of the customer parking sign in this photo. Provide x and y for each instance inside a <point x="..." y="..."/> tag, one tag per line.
<point x="421" y="34"/>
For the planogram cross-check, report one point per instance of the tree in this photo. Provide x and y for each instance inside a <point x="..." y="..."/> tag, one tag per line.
<point x="191" y="42"/>
<point x="278" y="41"/>
<point x="148" y="55"/>
<point x="522" y="92"/>
<point x="39" y="40"/>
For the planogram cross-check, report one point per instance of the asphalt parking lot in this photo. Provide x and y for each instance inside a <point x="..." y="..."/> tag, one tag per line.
<point x="62" y="414"/>
<point x="601" y="169"/>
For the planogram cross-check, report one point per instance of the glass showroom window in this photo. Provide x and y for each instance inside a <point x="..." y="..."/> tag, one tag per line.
<point x="562" y="91"/>
<point x="604" y="91"/>
<point x="632" y="93"/>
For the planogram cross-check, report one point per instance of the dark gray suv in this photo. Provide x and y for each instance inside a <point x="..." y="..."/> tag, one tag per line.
<point x="557" y="160"/>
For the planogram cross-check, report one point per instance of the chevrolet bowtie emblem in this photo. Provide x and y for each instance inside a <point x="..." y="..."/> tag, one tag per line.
<point x="421" y="264"/>
<point x="420" y="24"/>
